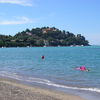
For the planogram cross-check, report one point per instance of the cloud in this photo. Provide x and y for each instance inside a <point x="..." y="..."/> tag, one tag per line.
<point x="21" y="20"/>
<point x="19" y="2"/>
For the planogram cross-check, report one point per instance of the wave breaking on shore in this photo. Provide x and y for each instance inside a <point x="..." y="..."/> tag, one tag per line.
<point x="44" y="82"/>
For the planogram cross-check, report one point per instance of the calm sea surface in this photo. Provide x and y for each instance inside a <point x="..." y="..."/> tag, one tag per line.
<point x="57" y="69"/>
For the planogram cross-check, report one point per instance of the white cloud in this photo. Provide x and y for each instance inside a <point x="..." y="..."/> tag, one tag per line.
<point x="19" y="2"/>
<point x="21" y="20"/>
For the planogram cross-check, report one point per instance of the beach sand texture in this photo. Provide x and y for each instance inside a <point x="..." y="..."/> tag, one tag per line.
<point x="12" y="90"/>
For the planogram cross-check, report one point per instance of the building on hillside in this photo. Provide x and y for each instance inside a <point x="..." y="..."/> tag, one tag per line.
<point x="48" y="29"/>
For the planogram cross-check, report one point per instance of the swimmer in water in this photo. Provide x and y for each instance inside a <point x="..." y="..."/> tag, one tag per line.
<point x="42" y="57"/>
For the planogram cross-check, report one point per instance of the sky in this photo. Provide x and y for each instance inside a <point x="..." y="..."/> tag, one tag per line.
<point x="76" y="16"/>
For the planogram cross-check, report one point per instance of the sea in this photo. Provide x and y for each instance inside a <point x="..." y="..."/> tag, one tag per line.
<point x="57" y="70"/>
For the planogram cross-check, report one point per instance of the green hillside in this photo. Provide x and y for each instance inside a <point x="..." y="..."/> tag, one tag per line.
<point x="45" y="36"/>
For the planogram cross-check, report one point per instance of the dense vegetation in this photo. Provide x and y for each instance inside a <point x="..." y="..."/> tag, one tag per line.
<point x="44" y="36"/>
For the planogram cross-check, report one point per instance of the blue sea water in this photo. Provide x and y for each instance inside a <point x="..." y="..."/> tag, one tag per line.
<point x="57" y="69"/>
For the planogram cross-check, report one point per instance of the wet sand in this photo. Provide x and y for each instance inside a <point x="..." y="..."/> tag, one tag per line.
<point x="13" y="90"/>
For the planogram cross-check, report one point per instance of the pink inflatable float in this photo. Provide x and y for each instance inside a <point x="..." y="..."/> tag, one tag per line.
<point x="82" y="68"/>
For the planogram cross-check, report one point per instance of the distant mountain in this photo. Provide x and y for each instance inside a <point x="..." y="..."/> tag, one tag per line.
<point x="45" y="36"/>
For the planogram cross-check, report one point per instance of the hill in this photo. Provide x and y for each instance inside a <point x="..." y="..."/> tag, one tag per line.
<point x="45" y="36"/>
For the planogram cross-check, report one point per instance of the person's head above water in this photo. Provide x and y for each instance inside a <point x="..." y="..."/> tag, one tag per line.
<point x="42" y="57"/>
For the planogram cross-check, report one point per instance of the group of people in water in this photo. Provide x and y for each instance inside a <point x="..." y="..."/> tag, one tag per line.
<point x="81" y="68"/>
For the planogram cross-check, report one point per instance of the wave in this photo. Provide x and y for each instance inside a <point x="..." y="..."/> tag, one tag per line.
<point x="44" y="81"/>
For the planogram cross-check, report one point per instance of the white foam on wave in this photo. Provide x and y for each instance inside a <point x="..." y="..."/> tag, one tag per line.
<point x="44" y="81"/>
<point x="47" y="82"/>
<point x="10" y="75"/>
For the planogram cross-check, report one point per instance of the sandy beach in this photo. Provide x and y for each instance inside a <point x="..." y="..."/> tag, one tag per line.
<point x="13" y="90"/>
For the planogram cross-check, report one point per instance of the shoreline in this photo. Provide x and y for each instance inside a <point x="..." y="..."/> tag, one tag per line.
<point x="15" y="90"/>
